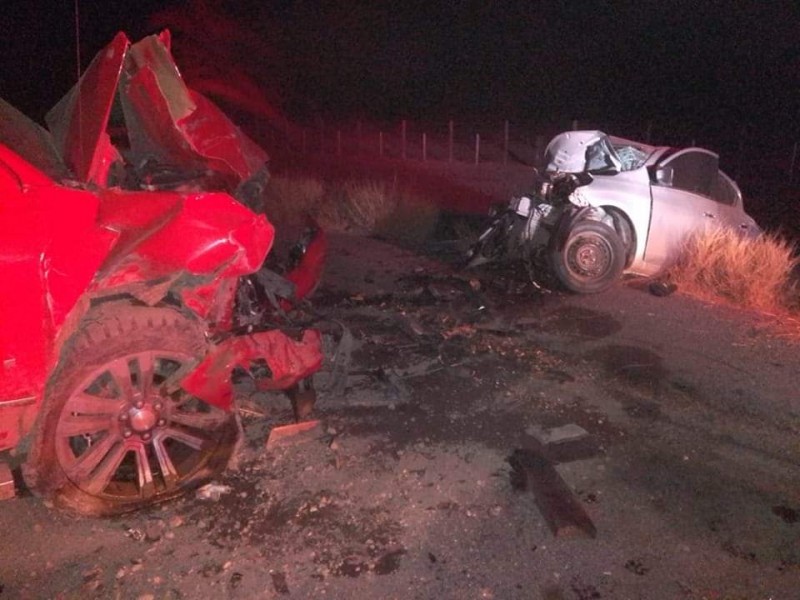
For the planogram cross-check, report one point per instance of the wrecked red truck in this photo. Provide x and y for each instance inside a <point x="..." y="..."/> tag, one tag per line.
<point x="131" y="232"/>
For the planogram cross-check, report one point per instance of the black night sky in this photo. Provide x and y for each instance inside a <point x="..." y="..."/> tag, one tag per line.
<point x="715" y="65"/>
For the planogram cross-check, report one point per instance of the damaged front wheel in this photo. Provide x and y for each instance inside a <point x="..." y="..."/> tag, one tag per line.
<point x="592" y="258"/>
<point x="116" y="432"/>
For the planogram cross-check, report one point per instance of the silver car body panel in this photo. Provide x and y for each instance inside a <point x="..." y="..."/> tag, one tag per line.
<point x="666" y="194"/>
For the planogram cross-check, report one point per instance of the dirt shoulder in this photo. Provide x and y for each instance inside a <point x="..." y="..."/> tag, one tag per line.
<point x="688" y="467"/>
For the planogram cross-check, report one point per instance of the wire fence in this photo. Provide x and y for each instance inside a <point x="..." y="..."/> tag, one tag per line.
<point x="744" y="153"/>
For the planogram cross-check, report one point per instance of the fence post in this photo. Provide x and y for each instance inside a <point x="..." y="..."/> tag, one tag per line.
<point x="477" y="147"/>
<point x="574" y="124"/>
<point x="450" y="142"/>
<point x="649" y="132"/>
<point x="380" y="144"/>
<point x="424" y="146"/>
<point x="403" y="141"/>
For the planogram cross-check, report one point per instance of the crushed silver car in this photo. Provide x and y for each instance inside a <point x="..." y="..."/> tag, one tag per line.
<point x="606" y="206"/>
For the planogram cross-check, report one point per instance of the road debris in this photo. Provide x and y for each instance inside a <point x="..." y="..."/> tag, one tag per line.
<point x="212" y="491"/>
<point x="7" y="489"/>
<point x="134" y="533"/>
<point x="557" y="435"/>
<point x="558" y="504"/>
<point x="662" y="288"/>
<point x="154" y="531"/>
<point x="464" y="329"/>
<point x="280" y="436"/>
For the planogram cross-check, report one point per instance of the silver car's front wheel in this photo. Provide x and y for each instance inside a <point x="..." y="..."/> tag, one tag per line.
<point x="591" y="259"/>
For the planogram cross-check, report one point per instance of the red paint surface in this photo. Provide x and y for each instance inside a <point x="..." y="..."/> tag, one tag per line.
<point x="63" y="245"/>
<point x="289" y="361"/>
<point x="79" y="121"/>
<point x="307" y="275"/>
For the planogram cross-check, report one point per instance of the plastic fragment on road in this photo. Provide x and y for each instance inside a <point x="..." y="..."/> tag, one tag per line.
<point x="212" y="491"/>
<point x="7" y="488"/>
<point x="281" y="436"/>
<point x="557" y="435"/>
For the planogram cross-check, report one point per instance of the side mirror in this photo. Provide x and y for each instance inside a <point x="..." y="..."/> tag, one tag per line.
<point x="664" y="176"/>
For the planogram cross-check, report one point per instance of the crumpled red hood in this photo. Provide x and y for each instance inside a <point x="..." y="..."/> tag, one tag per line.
<point x="132" y="108"/>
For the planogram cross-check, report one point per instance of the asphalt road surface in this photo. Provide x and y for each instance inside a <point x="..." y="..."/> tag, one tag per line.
<point x="659" y="440"/>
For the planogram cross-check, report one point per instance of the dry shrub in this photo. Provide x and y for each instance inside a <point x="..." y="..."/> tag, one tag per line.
<point x="369" y="206"/>
<point x="366" y="203"/>
<point x="413" y="219"/>
<point x="750" y="272"/>
<point x="289" y="199"/>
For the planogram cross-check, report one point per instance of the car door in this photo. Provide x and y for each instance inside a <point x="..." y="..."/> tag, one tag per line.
<point x="22" y="306"/>
<point x="681" y="203"/>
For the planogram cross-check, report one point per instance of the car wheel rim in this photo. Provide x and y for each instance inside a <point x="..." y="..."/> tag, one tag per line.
<point x="589" y="257"/>
<point x="121" y="436"/>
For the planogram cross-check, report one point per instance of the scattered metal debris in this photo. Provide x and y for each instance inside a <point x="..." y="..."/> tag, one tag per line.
<point x="303" y="397"/>
<point x="134" y="533"/>
<point x="340" y="363"/>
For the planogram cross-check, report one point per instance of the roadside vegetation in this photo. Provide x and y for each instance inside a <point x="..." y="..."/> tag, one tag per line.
<point x="758" y="273"/>
<point x="359" y="206"/>
<point x="717" y="265"/>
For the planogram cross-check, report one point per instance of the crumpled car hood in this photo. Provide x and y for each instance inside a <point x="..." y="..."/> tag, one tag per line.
<point x="131" y="116"/>
<point x="594" y="152"/>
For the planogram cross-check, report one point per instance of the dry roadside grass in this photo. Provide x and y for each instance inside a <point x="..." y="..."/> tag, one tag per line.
<point x="364" y="206"/>
<point x="756" y="273"/>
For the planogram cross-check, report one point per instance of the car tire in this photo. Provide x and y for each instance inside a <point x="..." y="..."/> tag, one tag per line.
<point x="115" y="433"/>
<point x="591" y="259"/>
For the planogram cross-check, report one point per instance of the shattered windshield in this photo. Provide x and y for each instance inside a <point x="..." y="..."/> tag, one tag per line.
<point x="630" y="156"/>
<point x="600" y="157"/>
<point x="592" y="152"/>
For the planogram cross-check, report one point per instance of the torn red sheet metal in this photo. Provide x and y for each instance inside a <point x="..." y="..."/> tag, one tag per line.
<point x="177" y="126"/>
<point x="80" y="120"/>
<point x="159" y="233"/>
<point x="167" y="126"/>
<point x="130" y="197"/>
<point x="275" y="360"/>
<point x="308" y="272"/>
